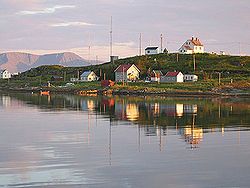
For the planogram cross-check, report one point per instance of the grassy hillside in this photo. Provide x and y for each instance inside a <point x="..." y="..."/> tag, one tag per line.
<point x="207" y="68"/>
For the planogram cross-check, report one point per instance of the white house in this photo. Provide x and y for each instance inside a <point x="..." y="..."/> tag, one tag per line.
<point x="151" y="50"/>
<point x="127" y="72"/>
<point x="173" y="77"/>
<point x="88" y="76"/>
<point x="190" y="78"/>
<point x="4" y="74"/>
<point x="192" y="46"/>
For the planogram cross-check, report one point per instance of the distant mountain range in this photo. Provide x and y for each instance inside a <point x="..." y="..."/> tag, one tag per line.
<point x="20" y="62"/>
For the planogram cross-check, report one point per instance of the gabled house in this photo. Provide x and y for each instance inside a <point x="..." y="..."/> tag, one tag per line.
<point x="190" y="78"/>
<point x="151" y="50"/>
<point x="127" y="72"/>
<point x="4" y="74"/>
<point x="192" y="46"/>
<point x="88" y="76"/>
<point x="173" y="77"/>
<point x="156" y="76"/>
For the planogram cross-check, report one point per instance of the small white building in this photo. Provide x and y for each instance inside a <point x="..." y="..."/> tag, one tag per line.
<point x="152" y="50"/>
<point x="88" y="76"/>
<point x="192" y="46"/>
<point x="4" y="74"/>
<point x="190" y="78"/>
<point x="173" y="77"/>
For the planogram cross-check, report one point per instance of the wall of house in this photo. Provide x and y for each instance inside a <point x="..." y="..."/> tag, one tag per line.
<point x="196" y="49"/>
<point x="5" y="75"/>
<point x="168" y="79"/>
<point x="134" y="71"/>
<point x="190" y="78"/>
<point x="151" y="52"/>
<point x="180" y="78"/>
<point x="119" y="76"/>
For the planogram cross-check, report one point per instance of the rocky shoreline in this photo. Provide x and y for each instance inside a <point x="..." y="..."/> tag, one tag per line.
<point x="145" y="92"/>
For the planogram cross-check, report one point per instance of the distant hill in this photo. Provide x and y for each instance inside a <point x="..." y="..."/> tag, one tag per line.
<point x="20" y="62"/>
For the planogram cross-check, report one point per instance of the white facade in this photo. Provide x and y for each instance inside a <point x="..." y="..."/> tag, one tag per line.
<point x="151" y="50"/>
<point x="89" y="76"/>
<point x="4" y="74"/>
<point x="127" y="73"/>
<point x="172" y="77"/>
<point x="192" y="46"/>
<point x="190" y="78"/>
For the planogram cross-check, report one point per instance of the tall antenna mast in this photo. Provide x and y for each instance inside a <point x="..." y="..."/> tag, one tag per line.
<point x="111" y="37"/>
<point x="161" y="43"/>
<point x="140" y="45"/>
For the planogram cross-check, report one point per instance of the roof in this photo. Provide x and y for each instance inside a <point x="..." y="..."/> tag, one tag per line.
<point x="1" y="71"/>
<point x="172" y="74"/>
<point x="151" y="48"/>
<point x="85" y="73"/>
<point x="124" y="68"/>
<point x="157" y="72"/>
<point x="196" y="42"/>
<point x="188" y="48"/>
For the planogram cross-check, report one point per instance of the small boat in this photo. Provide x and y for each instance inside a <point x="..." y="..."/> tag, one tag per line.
<point x="44" y="92"/>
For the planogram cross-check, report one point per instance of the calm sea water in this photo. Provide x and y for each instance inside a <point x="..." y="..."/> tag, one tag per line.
<point x="73" y="141"/>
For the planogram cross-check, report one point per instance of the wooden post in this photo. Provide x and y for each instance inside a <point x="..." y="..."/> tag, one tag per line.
<point x="219" y="78"/>
<point x="177" y="57"/>
<point x="64" y="76"/>
<point x="123" y="76"/>
<point x="194" y="62"/>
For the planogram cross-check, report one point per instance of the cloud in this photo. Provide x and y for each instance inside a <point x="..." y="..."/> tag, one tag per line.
<point x="131" y="43"/>
<point x="67" y="24"/>
<point x="46" y="10"/>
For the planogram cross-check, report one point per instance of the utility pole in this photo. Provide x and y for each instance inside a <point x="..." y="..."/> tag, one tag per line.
<point x="140" y="45"/>
<point x="161" y="43"/>
<point x="100" y="74"/>
<point x="177" y="57"/>
<point x="111" y="37"/>
<point x="219" y="78"/>
<point x="64" y="77"/>
<point x="194" y="62"/>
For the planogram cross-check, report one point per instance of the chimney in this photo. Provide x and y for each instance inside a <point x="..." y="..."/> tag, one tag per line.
<point x="196" y="38"/>
<point x="192" y="38"/>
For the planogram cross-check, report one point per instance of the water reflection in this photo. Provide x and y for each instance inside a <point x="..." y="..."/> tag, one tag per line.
<point x="74" y="140"/>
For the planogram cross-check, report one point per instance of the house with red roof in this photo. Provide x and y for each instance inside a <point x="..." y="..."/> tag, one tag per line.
<point x="172" y="77"/>
<point x="127" y="72"/>
<point x="192" y="46"/>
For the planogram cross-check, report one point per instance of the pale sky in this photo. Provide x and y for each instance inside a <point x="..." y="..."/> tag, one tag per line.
<point x="46" y="26"/>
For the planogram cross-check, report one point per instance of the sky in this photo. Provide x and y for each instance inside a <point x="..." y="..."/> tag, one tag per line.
<point x="83" y="26"/>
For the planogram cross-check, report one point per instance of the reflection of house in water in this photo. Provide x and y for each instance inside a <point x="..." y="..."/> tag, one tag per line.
<point x="154" y="131"/>
<point x="88" y="105"/>
<point x="5" y="101"/>
<point x="126" y="111"/>
<point x="132" y="112"/>
<point x="190" y="108"/>
<point x="173" y="109"/>
<point x="193" y="136"/>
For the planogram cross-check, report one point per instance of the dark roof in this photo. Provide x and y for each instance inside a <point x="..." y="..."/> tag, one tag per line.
<point x="196" y="42"/>
<point x="85" y="73"/>
<point x="123" y="68"/>
<point x="188" y="47"/>
<point x="172" y="74"/>
<point x="152" y="48"/>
